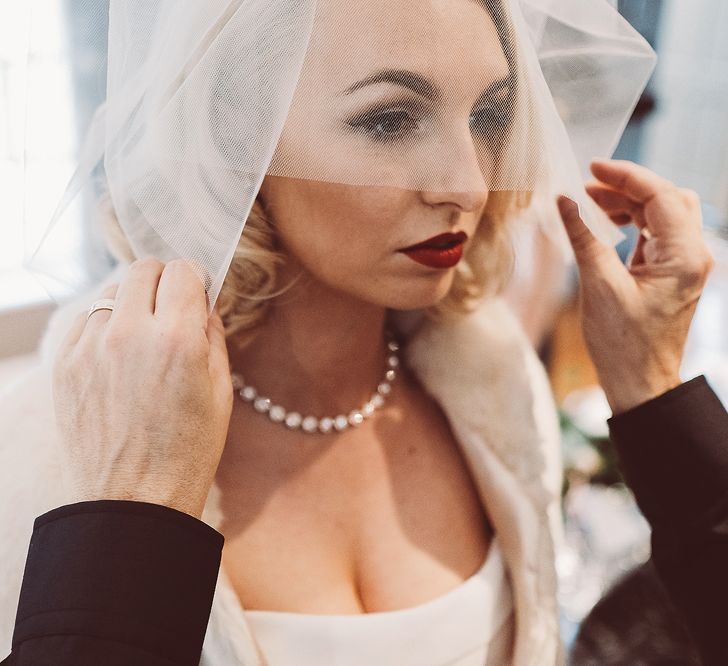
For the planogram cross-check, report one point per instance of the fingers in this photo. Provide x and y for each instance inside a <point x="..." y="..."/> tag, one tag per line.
<point x="637" y="256"/>
<point x="138" y="291"/>
<point x="99" y="318"/>
<point x="620" y="208"/>
<point x="668" y="211"/>
<point x="83" y="322"/>
<point x="637" y="182"/>
<point x="149" y="287"/>
<point x="587" y="248"/>
<point x="75" y="332"/>
<point x="181" y="291"/>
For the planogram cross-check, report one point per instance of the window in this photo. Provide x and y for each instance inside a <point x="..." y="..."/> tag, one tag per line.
<point x="49" y="85"/>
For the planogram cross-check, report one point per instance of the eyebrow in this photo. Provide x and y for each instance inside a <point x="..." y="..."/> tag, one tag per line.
<point x="419" y="84"/>
<point x="400" y="77"/>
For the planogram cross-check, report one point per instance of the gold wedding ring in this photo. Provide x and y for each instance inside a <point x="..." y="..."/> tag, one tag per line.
<point x="103" y="304"/>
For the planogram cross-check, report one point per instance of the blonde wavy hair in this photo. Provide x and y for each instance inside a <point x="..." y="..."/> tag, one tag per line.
<point x="251" y="284"/>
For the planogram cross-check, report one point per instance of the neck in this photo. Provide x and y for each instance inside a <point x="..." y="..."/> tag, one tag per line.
<point x="320" y="351"/>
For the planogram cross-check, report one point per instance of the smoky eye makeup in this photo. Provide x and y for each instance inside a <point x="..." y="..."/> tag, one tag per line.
<point x="396" y="121"/>
<point x="493" y="117"/>
<point x="389" y="122"/>
<point x="497" y="114"/>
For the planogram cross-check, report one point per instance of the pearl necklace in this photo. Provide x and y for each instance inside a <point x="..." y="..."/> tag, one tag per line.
<point x="311" y="424"/>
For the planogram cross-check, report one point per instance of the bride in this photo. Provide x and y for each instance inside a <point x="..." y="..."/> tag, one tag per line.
<point x="391" y="459"/>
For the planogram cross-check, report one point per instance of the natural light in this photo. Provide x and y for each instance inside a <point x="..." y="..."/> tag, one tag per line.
<point x="35" y="101"/>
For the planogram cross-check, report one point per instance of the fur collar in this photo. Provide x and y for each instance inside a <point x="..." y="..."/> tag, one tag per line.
<point x="482" y="371"/>
<point x="489" y="382"/>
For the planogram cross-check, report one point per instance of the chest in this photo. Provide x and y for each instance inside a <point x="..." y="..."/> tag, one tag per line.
<point x="385" y="517"/>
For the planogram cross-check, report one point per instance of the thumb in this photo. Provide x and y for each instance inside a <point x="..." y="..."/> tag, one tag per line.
<point x="587" y="248"/>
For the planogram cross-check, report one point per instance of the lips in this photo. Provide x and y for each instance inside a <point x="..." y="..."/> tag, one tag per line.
<point x="443" y="251"/>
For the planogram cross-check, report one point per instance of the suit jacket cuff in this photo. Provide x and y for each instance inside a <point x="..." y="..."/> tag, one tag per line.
<point x="673" y="452"/>
<point x="125" y="571"/>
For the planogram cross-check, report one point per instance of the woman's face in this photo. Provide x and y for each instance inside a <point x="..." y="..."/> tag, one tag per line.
<point x="389" y="144"/>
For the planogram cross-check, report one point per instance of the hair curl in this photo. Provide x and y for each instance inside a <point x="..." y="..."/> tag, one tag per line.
<point x="251" y="284"/>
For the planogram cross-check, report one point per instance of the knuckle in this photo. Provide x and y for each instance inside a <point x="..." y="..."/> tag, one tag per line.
<point x="692" y="272"/>
<point x="708" y="261"/>
<point x="181" y="269"/>
<point x="666" y="189"/>
<point x="178" y="265"/>
<point x="691" y="197"/>
<point x="144" y="265"/>
<point x="697" y="269"/>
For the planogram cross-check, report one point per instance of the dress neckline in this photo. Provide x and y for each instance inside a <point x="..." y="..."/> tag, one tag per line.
<point x="492" y="562"/>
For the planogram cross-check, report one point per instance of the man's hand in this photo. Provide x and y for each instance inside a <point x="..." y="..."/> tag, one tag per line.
<point x="143" y="394"/>
<point x="636" y="318"/>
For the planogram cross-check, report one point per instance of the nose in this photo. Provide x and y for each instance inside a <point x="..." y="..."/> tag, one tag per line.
<point x="468" y="202"/>
<point x="455" y="177"/>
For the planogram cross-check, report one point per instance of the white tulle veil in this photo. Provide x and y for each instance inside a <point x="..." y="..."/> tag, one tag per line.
<point x="203" y="100"/>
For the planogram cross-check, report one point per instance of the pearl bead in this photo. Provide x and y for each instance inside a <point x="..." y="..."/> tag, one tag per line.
<point x="311" y="424"/>
<point x="356" y="418"/>
<point x="262" y="405"/>
<point x="277" y="414"/>
<point x="248" y="393"/>
<point x="293" y="420"/>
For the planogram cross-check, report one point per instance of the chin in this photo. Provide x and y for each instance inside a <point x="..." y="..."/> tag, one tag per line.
<point x="418" y="294"/>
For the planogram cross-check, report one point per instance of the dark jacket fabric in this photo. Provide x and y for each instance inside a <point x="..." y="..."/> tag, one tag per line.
<point x="673" y="453"/>
<point x="128" y="583"/>
<point x="116" y="583"/>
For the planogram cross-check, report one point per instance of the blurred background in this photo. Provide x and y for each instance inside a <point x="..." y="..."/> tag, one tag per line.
<point x="680" y="129"/>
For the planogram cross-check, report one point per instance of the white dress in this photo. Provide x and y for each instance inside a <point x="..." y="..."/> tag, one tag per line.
<point x="471" y="625"/>
<point x="484" y="374"/>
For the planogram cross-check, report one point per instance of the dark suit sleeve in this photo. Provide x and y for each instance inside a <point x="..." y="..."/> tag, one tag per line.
<point x="673" y="453"/>
<point x="116" y="583"/>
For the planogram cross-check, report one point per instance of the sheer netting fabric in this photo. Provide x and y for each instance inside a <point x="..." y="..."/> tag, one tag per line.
<point x="201" y="101"/>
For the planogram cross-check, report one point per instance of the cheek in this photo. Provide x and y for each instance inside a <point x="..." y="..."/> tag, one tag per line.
<point x="344" y="229"/>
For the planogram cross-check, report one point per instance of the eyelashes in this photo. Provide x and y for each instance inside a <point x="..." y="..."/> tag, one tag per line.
<point x="397" y="124"/>
<point x="387" y="125"/>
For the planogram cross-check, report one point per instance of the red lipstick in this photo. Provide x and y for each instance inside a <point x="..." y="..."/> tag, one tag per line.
<point x="443" y="251"/>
